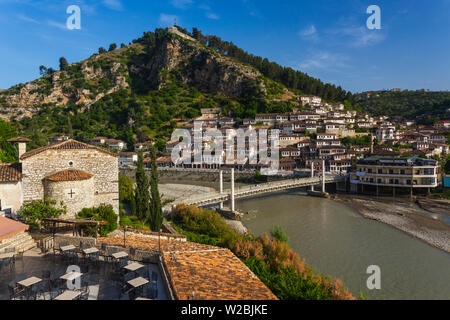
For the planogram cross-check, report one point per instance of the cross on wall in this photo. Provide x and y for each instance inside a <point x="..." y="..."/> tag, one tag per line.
<point x="71" y="193"/>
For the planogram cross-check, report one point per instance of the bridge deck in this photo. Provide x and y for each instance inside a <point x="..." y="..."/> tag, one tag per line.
<point x="248" y="191"/>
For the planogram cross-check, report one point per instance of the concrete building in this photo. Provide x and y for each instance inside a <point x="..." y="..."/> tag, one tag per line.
<point x="390" y="173"/>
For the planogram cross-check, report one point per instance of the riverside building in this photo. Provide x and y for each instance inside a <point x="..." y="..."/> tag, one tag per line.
<point x="391" y="174"/>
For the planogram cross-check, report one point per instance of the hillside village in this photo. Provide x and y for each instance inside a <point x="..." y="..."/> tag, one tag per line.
<point x="318" y="131"/>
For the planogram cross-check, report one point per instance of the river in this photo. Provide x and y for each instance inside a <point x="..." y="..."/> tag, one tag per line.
<point x="337" y="241"/>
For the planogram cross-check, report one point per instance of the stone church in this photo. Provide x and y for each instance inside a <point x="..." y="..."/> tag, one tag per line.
<point x="73" y="173"/>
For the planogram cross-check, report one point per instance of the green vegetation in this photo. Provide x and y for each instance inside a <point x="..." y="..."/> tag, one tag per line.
<point x="156" y="217"/>
<point x="278" y="233"/>
<point x="142" y="192"/>
<point x="33" y="212"/>
<point x="271" y="259"/>
<point x="357" y="141"/>
<point x="102" y="213"/>
<point x="289" y="77"/>
<point x="429" y="107"/>
<point x="7" y="151"/>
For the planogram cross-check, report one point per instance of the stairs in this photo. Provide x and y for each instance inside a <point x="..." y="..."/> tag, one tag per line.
<point x="21" y="241"/>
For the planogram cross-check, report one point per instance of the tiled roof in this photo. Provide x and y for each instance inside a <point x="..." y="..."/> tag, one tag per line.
<point x="9" y="228"/>
<point x="213" y="275"/>
<point x="210" y="272"/>
<point x="65" y="145"/>
<point x="10" y="172"/>
<point x="19" y="139"/>
<point x="69" y="175"/>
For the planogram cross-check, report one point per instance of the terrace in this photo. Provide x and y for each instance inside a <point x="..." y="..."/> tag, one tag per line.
<point x="80" y="273"/>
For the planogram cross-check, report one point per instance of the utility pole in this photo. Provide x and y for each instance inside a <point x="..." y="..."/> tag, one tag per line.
<point x="323" y="176"/>
<point x="232" y="190"/>
<point x="221" y="186"/>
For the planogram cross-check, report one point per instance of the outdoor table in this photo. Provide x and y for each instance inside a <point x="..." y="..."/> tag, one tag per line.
<point x="119" y="255"/>
<point x="29" y="282"/>
<point x="68" y="248"/>
<point x="133" y="266"/>
<point x="71" y="276"/>
<point x="68" y="295"/>
<point x="90" y="251"/>
<point x="138" y="282"/>
<point x="8" y="255"/>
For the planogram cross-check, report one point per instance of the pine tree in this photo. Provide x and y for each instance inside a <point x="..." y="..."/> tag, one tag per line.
<point x="63" y="63"/>
<point x="69" y="127"/>
<point x="156" y="217"/>
<point x="142" y="192"/>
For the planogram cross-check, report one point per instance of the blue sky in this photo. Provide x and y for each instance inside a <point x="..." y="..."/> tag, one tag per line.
<point x="327" y="39"/>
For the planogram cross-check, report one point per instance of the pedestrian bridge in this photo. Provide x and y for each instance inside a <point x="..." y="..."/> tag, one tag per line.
<point x="249" y="191"/>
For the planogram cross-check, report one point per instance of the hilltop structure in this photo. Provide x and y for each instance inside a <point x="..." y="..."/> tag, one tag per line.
<point x="75" y="174"/>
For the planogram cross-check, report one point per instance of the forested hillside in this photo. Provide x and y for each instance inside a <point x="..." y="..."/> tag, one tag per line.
<point x="427" y="106"/>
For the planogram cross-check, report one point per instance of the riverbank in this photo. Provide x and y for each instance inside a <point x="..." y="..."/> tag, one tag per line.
<point x="422" y="219"/>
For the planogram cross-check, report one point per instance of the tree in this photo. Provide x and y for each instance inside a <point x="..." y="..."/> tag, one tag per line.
<point x="102" y="213"/>
<point x="7" y="151"/>
<point x="101" y="50"/>
<point x="112" y="47"/>
<point x="156" y="217"/>
<point x="69" y="126"/>
<point x="63" y="63"/>
<point x="43" y="71"/>
<point x="126" y="188"/>
<point x="35" y="211"/>
<point x="142" y="192"/>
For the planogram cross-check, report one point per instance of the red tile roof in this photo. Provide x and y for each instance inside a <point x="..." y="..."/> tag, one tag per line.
<point x="69" y="175"/>
<point x="9" y="228"/>
<point x="213" y="273"/>
<point x="10" y="172"/>
<point x="65" y="145"/>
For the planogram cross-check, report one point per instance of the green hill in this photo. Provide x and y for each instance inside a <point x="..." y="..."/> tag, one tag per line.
<point x="425" y="106"/>
<point x="136" y="92"/>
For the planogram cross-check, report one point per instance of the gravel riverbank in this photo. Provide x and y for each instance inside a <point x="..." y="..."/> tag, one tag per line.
<point x="423" y="221"/>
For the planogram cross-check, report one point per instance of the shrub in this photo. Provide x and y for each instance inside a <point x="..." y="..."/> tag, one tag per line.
<point x="34" y="212"/>
<point x="102" y="213"/>
<point x="278" y="233"/>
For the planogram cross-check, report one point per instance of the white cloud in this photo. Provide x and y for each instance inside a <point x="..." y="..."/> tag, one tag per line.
<point x="57" y="24"/>
<point x="166" y="20"/>
<point x="113" y="4"/>
<point x="325" y="60"/>
<point x="309" y="33"/>
<point x="181" y="4"/>
<point x="212" y="16"/>
<point x="360" y="36"/>
<point x="26" y="18"/>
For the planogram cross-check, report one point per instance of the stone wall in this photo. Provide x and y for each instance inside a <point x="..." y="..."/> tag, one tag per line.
<point x="75" y="195"/>
<point x="103" y="166"/>
<point x="11" y="195"/>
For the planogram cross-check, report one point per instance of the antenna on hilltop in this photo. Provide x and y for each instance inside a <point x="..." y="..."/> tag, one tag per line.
<point x="175" y="22"/>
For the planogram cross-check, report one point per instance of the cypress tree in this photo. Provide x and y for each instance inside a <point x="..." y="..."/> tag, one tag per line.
<point x="156" y="216"/>
<point x="142" y="192"/>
